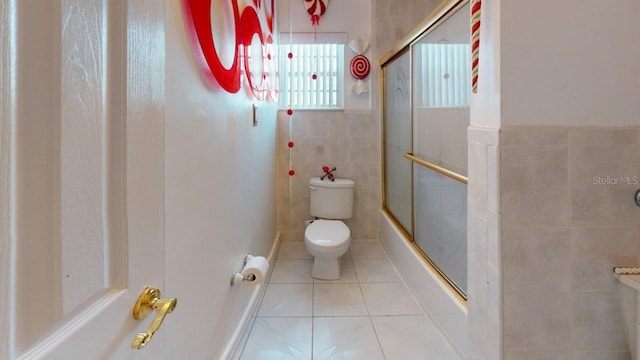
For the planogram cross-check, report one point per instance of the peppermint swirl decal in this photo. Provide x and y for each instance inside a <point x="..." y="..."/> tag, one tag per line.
<point x="360" y="67"/>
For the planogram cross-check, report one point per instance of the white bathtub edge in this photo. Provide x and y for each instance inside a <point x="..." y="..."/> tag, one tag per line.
<point x="448" y="312"/>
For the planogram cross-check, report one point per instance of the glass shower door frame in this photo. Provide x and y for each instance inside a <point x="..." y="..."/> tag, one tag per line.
<point x="406" y="48"/>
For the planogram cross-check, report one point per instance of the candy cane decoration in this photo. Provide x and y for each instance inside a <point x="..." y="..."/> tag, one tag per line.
<point x="475" y="43"/>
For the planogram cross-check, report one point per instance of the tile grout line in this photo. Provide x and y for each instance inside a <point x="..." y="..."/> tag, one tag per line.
<point x="313" y="322"/>
<point x="375" y="331"/>
<point x="314" y="315"/>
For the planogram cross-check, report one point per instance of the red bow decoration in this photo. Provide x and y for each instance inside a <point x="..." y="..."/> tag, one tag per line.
<point x="315" y="20"/>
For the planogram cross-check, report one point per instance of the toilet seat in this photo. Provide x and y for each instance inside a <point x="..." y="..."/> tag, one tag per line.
<point x="327" y="233"/>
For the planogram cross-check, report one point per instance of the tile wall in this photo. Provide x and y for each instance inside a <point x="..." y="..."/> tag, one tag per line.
<point x="484" y="261"/>
<point x="393" y="20"/>
<point x="542" y="248"/>
<point x="350" y="141"/>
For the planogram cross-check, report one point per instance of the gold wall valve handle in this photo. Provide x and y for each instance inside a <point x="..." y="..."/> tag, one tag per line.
<point x="148" y="301"/>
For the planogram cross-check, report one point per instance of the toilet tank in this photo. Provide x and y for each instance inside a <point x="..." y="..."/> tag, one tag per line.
<point x="331" y="199"/>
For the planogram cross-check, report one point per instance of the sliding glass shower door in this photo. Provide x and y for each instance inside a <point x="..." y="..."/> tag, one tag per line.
<point x="397" y="133"/>
<point x="425" y="143"/>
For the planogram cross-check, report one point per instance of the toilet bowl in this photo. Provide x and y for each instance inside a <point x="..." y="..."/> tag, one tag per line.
<point x="328" y="238"/>
<point x="327" y="241"/>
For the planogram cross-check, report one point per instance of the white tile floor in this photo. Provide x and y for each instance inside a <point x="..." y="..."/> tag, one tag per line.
<point x="367" y="314"/>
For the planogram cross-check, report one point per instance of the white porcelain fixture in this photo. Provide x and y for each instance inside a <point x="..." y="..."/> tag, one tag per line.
<point x="328" y="238"/>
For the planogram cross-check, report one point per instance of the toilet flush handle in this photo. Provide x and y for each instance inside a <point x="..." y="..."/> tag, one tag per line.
<point x="312" y="188"/>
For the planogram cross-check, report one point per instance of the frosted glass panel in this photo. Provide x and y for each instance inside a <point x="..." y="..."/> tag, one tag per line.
<point x="440" y="137"/>
<point x="441" y="222"/>
<point x="442" y="89"/>
<point x="427" y="91"/>
<point x="443" y="72"/>
<point x="397" y="137"/>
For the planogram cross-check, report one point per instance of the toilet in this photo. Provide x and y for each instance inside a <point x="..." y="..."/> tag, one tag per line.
<point x="328" y="238"/>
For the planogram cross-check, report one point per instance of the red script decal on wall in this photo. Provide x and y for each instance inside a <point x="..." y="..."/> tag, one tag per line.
<point x="253" y="64"/>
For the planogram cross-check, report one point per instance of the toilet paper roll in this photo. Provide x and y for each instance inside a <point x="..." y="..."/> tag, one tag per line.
<point x="256" y="268"/>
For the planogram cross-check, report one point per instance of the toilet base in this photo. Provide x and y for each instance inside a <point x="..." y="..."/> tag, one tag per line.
<point x="326" y="268"/>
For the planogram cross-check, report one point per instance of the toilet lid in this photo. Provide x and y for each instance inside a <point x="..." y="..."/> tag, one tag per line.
<point x="327" y="233"/>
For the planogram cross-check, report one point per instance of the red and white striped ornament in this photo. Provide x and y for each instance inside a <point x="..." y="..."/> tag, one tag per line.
<point x="475" y="43"/>
<point x="360" y="67"/>
<point x="316" y="8"/>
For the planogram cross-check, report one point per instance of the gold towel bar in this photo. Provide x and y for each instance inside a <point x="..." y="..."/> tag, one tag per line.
<point x="438" y="169"/>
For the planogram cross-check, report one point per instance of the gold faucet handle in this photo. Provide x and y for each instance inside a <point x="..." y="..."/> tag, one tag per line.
<point x="148" y="301"/>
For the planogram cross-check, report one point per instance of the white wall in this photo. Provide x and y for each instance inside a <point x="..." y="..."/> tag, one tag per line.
<point x="220" y="197"/>
<point x="579" y="68"/>
<point x="574" y="70"/>
<point x="7" y="112"/>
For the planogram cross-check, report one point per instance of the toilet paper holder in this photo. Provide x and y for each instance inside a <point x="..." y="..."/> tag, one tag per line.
<point x="237" y="276"/>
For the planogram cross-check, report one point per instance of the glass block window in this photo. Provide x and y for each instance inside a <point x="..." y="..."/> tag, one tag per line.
<point x="313" y="76"/>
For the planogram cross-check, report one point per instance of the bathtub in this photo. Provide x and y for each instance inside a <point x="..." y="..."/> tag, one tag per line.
<point x="435" y="297"/>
